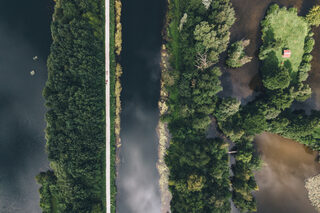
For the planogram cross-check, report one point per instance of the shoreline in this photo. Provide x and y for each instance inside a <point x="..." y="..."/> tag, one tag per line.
<point x="117" y="93"/>
<point x="115" y="47"/>
<point x="164" y="138"/>
<point x="162" y="130"/>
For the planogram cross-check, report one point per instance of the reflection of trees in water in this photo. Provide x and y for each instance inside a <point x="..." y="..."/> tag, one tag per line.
<point x="256" y="83"/>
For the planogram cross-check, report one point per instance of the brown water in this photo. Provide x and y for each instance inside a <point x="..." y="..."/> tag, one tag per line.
<point x="287" y="163"/>
<point x="281" y="179"/>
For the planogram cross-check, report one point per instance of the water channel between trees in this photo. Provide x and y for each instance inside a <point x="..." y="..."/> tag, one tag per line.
<point x="137" y="182"/>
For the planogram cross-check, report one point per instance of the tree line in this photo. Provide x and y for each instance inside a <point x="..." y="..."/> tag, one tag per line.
<point x="199" y="166"/>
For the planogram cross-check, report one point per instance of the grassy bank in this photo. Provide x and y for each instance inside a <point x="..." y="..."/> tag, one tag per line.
<point x="115" y="90"/>
<point x="163" y="135"/>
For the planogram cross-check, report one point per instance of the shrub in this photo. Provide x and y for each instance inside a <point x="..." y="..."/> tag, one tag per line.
<point x="236" y="55"/>
<point x="307" y="58"/>
<point x="183" y="20"/>
<point x="302" y="76"/>
<point x="195" y="183"/>
<point x="308" y="46"/>
<point x="313" y="17"/>
<point x="302" y="92"/>
<point x="118" y="33"/>
<point x="273" y="8"/>
<point x="305" y="67"/>
<point x="293" y="10"/>
<point x="226" y="108"/>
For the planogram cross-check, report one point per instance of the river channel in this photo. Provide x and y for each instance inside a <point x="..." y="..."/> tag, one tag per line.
<point x="24" y="33"/>
<point x="138" y="190"/>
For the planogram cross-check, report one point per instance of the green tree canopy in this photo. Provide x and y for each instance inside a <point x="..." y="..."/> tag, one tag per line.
<point x="275" y="76"/>
<point x="313" y="17"/>
<point x="236" y="55"/>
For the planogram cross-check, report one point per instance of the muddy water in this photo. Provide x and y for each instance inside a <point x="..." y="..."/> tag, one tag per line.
<point x="281" y="179"/>
<point x="287" y="163"/>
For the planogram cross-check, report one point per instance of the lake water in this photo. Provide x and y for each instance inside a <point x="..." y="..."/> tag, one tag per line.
<point x="24" y="33"/>
<point x="138" y="190"/>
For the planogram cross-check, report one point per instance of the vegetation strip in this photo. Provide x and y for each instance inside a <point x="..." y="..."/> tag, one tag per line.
<point x="75" y="99"/>
<point x="164" y="138"/>
<point x="197" y="33"/>
<point x="115" y="91"/>
<point x="118" y="73"/>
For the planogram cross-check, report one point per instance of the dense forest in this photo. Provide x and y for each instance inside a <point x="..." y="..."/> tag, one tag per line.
<point x="198" y="32"/>
<point x="75" y="99"/>
<point x="199" y="167"/>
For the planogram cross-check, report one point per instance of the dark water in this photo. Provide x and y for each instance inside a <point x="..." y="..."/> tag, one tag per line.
<point x="287" y="164"/>
<point x="24" y="33"/>
<point x="138" y="177"/>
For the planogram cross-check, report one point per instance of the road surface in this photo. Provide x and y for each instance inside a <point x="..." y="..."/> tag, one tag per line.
<point x="107" y="85"/>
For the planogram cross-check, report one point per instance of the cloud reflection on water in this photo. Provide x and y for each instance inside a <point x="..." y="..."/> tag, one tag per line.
<point x="22" y="154"/>
<point x="281" y="180"/>
<point x="138" y="178"/>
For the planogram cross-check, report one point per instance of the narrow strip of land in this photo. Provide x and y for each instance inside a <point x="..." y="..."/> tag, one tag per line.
<point x="107" y="85"/>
